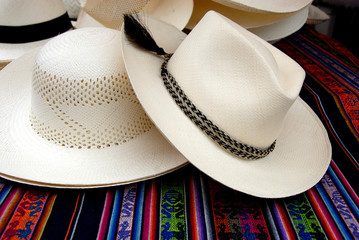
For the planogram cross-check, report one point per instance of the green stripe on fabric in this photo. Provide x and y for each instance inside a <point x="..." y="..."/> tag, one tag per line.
<point x="173" y="208"/>
<point x="303" y="218"/>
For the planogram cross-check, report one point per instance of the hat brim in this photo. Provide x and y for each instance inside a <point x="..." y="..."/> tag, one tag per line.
<point x="268" y="26"/>
<point x="282" y="28"/>
<point x="28" y="158"/>
<point x="175" y="12"/>
<point x="10" y="51"/>
<point x="303" y="151"/>
<point x="277" y="6"/>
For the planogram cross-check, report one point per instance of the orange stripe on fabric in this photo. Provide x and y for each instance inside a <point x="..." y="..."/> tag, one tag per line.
<point x="330" y="129"/>
<point x="285" y="220"/>
<point x="192" y="209"/>
<point x="73" y="215"/>
<point x="10" y="204"/>
<point x="26" y="215"/>
<point x="45" y="216"/>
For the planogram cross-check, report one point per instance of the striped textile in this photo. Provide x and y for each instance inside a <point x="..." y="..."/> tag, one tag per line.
<point x="187" y="204"/>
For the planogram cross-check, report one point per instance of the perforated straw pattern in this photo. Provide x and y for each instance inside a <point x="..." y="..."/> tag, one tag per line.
<point x="110" y="12"/>
<point x="85" y="108"/>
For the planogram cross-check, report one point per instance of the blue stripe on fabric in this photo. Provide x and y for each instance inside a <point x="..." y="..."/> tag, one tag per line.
<point x="206" y="210"/>
<point x="137" y="222"/>
<point x="330" y="123"/>
<point x="269" y="216"/>
<point x="7" y="188"/>
<point x="115" y="214"/>
<point x="344" y="192"/>
<point x="329" y="65"/>
<point x="333" y="212"/>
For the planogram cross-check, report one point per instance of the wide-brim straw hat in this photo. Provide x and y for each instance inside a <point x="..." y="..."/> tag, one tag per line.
<point x="69" y="117"/>
<point x="269" y="6"/>
<point x="27" y="24"/>
<point x="109" y="13"/>
<point x="244" y="86"/>
<point x="267" y="25"/>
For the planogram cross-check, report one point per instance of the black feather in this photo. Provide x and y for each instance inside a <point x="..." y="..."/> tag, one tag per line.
<point x="137" y="32"/>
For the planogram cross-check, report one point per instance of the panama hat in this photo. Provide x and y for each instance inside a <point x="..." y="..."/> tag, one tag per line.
<point x="228" y="101"/>
<point x="282" y="28"/>
<point x="267" y="25"/>
<point x="73" y="8"/>
<point x="316" y="15"/>
<point x="27" y="24"/>
<point x="109" y="13"/>
<point x="69" y="117"/>
<point x="269" y="6"/>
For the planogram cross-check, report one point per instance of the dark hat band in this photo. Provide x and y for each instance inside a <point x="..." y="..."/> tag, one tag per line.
<point x="205" y="124"/>
<point x="35" y="32"/>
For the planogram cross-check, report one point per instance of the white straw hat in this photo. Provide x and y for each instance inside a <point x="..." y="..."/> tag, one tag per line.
<point x="269" y="6"/>
<point x="109" y="13"/>
<point x="282" y="28"/>
<point x="267" y="25"/>
<point x="27" y="24"/>
<point x="73" y="8"/>
<point x="240" y="90"/>
<point x="69" y="117"/>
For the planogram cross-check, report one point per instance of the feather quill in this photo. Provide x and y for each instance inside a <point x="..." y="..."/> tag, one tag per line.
<point x="137" y="32"/>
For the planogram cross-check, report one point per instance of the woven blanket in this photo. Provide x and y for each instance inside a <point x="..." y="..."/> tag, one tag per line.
<point x="187" y="204"/>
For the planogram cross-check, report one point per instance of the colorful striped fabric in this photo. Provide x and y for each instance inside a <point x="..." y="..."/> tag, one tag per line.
<point x="187" y="204"/>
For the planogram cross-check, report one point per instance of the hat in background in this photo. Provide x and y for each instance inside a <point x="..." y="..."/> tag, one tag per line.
<point x="69" y="117"/>
<point x="271" y="26"/>
<point x="268" y="6"/>
<point x="73" y="8"/>
<point x="27" y="24"/>
<point x="280" y="29"/>
<point x="109" y="13"/>
<point x="316" y="15"/>
<point x="228" y="101"/>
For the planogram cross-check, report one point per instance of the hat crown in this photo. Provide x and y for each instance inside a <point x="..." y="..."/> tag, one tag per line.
<point x="27" y="12"/>
<point x="110" y="12"/>
<point x="234" y="80"/>
<point x="81" y="95"/>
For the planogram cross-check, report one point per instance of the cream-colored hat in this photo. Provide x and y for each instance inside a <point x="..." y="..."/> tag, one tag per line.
<point x="316" y="15"/>
<point x="27" y="24"/>
<point x="109" y="13"/>
<point x="239" y="96"/>
<point x="267" y="25"/>
<point x="69" y="117"/>
<point x="268" y="6"/>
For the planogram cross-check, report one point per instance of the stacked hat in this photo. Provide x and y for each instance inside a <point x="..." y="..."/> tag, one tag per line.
<point x="27" y="24"/>
<point x="109" y="13"/>
<point x="271" y="20"/>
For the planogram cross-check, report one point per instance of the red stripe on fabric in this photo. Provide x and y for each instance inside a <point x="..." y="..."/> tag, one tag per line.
<point x="193" y="210"/>
<point x="72" y="217"/>
<point x="285" y="220"/>
<point x="331" y="42"/>
<point x="26" y="216"/>
<point x="348" y="187"/>
<point x="150" y="214"/>
<point x="335" y="45"/>
<point x="323" y="215"/>
<point x="220" y="218"/>
<point x="106" y="214"/>
<point x="44" y="217"/>
<point x="334" y="85"/>
<point x="330" y="129"/>
<point x="9" y="205"/>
